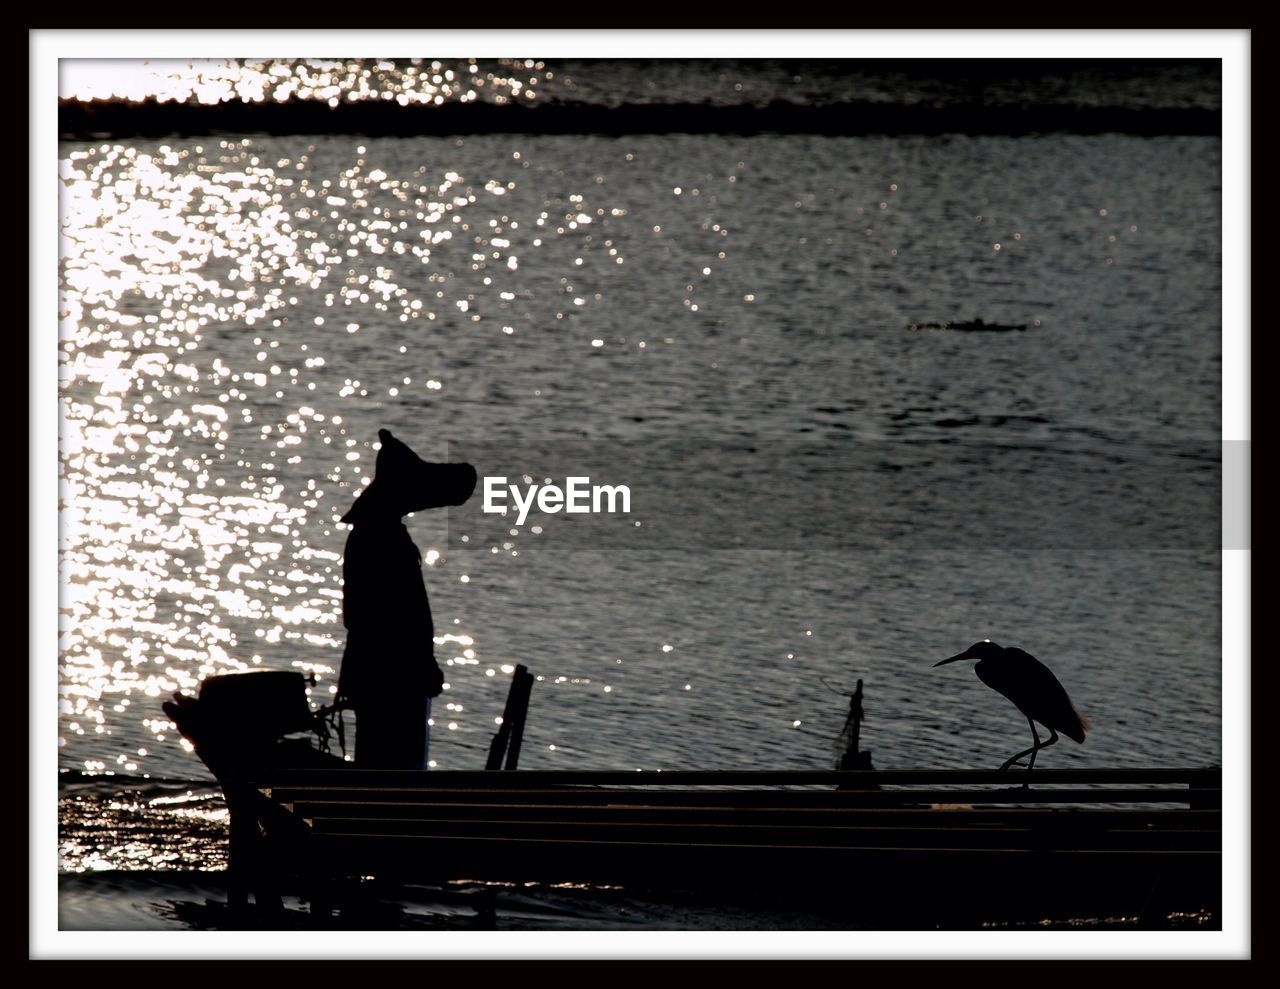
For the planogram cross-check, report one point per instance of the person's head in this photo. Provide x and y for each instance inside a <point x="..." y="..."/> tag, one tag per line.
<point x="403" y="482"/>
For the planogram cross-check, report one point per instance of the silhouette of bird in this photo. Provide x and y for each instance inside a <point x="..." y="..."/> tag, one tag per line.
<point x="1032" y="687"/>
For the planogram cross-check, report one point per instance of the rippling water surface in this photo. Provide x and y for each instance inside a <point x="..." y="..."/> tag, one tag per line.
<point x="240" y="316"/>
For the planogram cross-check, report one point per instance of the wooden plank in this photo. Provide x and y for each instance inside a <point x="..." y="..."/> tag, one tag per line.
<point x="655" y="861"/>
<point x="563" y="851"/>
<point x="792" y="798"/>
<point x="524" y="778"/>
<point x="1052" y="817"/>
<point x="775" y="836"/>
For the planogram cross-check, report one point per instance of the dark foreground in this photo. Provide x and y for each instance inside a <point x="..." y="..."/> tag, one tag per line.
<point x="544" y="851"/>
<point x="185" y="900"/>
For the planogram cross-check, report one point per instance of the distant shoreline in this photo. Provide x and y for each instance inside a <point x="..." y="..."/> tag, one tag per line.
<point x="116" y="118"/>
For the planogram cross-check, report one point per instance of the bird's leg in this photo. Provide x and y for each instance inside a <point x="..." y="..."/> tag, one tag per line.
<point x="1031" y="764"/>
<point x="1012" y="760"/>
<point x="1031" y="751"/>
<point x="1053" y="737"/>
<point x="1035" y="748"/>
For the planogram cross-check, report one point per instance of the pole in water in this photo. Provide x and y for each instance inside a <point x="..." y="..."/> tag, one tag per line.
<point x="521" y="689"/>
<point x="848" y="742"/>
<point x="853" y="757"/>
<point x="506" y="743"/>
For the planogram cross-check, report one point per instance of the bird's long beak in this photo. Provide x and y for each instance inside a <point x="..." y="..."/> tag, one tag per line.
<point x="963" y="655"/>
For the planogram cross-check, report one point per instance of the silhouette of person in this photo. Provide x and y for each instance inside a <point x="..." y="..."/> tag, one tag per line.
<point x="389" y="672"/>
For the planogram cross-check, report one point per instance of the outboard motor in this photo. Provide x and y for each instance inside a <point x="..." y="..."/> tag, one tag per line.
<point x="239" y="722"/>
<point x="239" y="725"/>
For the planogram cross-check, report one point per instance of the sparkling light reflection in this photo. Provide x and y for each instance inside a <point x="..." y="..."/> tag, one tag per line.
<point x="225" y="308"/>
<point x="333" y="81"/>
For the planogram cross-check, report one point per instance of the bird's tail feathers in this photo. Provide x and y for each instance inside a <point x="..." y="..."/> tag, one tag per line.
<point x="1084" y="725"/>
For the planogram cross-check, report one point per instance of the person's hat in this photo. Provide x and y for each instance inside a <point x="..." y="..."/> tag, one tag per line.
<point x="403" y="482"/>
